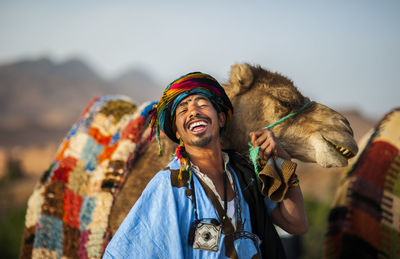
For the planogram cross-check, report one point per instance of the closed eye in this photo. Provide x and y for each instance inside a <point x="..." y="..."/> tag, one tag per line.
<point x="202" y="103"/>
<point x="181" y="111"/>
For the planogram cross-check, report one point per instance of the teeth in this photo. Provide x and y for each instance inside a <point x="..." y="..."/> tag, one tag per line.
<point x="195" y="124"/>
<point x="343" y="151"/>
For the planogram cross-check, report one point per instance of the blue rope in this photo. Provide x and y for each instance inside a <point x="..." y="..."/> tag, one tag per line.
<point x="288" y="116"/>
<point x="253" y="152"/>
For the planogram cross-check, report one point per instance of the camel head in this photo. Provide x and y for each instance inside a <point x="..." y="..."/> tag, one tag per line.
<point x="260" y="97"/>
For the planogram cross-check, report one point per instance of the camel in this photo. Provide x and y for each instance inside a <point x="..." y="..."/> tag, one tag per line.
<point x="317" y="134"/>
<point x="364" y="219"/>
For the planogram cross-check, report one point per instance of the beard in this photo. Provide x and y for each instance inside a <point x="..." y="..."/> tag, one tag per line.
<point x="202" y="142"/>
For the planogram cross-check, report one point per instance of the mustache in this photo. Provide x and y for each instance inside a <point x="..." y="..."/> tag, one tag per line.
<point x="197" y="117"/>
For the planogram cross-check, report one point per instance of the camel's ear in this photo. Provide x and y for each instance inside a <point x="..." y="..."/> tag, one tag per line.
<point x="241" y="78"/>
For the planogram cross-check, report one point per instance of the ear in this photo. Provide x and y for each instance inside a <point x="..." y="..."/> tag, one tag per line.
<point x="242" y="78"/>
<point x="221" y="119"/>
<point x="177" y="135"/>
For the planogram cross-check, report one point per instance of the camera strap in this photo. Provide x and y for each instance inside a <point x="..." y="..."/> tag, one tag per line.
<point x="200" y="227"/>
<point x="227" y="225"/>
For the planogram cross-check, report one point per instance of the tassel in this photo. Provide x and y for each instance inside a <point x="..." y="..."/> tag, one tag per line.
<point x="183" y="158"/>
<point x="253" y="155"/>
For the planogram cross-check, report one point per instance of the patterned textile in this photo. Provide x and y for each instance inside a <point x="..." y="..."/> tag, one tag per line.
<point x="68" y="212"/>
<point x="275" y="176"/>
<point x="365" y="219"/>
<point x="192" y="83"/>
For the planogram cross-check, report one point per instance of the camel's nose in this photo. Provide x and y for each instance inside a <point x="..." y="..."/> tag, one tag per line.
<point x="346" y="123"/>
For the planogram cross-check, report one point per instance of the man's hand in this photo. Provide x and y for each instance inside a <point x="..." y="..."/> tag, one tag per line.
<point x="268" y="145"/>
<point x="290" y="214"/>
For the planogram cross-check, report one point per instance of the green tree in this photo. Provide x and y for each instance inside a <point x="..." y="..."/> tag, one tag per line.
<point x="13" y="169"/>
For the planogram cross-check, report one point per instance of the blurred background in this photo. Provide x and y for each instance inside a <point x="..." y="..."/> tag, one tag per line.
<point x="55" y="56"/>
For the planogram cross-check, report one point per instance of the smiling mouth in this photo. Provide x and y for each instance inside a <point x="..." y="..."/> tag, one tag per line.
<point x="197" y="126"/>
<point x="341" y="150"/>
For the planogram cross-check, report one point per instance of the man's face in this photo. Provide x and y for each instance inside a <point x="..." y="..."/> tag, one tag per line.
<point x="197" y="122"/>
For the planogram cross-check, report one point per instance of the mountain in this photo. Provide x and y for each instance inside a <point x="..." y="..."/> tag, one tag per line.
<point x="137" y="84"/>
<point x="41" y="99"/>
<point x="43" y="93"/>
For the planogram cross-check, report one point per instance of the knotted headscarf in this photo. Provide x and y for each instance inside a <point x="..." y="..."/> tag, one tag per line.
<point x="163" y="114"/>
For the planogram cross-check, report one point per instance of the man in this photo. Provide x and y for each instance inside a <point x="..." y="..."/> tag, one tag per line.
<point x="205" y="204"/>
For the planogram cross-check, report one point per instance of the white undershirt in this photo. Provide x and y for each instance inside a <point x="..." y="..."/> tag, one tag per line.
<point x="231" y="204"/>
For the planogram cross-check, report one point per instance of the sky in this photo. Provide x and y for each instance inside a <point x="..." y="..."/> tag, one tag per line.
<point x="344" y="54"/>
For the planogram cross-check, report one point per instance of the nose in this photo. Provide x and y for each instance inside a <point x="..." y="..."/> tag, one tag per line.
<point x="193" y="110"/>
<point x="346" y="123"/>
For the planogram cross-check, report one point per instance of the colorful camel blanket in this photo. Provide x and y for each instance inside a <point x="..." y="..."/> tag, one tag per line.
<point x="365" y="219"/>
<point x="67" y="215"/>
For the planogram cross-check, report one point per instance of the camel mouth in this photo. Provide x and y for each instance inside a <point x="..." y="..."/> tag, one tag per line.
<point x="343" y="151"/>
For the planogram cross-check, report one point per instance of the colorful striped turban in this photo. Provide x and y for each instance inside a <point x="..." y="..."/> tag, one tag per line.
<point x="163" y="115"/>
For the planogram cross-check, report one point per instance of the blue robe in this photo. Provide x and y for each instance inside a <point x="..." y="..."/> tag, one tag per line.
<point x="158" y="224"/>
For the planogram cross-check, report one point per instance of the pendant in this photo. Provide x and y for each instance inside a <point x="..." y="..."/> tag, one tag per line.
<point x="206" y="236"/>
